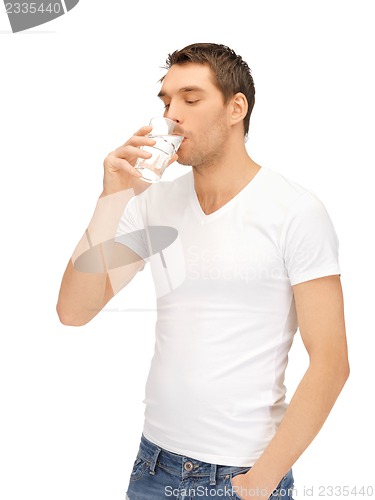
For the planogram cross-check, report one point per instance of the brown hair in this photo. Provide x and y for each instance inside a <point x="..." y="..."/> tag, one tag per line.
<point x="231" y="72"/>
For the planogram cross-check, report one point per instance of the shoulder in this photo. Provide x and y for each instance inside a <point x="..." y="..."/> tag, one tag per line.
<point x="289" y="198"/>
<point x="283" y="189"/>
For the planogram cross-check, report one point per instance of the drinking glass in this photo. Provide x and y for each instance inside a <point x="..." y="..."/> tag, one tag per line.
<point x="168" y="135"/>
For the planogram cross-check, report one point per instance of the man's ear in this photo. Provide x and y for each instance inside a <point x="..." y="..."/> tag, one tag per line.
<point x="238" y="108"/>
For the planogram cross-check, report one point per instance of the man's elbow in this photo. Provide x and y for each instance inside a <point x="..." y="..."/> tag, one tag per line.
<point x="345" y="370"/>
<point x="341" y="369"/>
<point x="70" y="320"/>
<point x="342" y="361"/>
<point x="332" y="365"/>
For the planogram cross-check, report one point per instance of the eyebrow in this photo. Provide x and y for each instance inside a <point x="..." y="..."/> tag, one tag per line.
<point x="182" y="91"/>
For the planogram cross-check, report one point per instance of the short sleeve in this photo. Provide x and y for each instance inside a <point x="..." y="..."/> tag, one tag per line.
<point x="309" y="242"/>
<point x="130" y="230"/>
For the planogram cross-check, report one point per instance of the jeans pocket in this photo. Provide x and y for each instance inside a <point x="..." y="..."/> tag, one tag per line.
<point x="285" y="488"/>
<point x="139" y="468"/>
<point x="283" y="491"/>
<point x="233" y="491"/>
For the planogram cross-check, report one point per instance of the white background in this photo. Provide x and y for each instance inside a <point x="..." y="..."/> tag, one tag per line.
<point x="76" y="88"/>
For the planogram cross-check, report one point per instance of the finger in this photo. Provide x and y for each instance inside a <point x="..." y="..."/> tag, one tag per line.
<point x="140" y="133"/>
<point x="144" y="130"/>
<point x="174" y="158"/>
<point x="139" y="141"/>
<point x="131" y="153"/>
<point x="120" y="164"/>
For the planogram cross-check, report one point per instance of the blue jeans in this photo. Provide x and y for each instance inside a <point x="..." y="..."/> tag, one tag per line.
<point x="160" y="474"/>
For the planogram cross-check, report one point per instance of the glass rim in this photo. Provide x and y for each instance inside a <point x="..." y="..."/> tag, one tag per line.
<point x="169" y="122"/>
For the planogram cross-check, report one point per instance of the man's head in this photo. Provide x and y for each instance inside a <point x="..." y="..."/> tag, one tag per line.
<point x="230" y="72"/>
<point x="209" y="90"/>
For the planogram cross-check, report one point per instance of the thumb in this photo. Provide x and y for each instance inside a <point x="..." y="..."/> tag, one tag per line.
<point x="174" y="158"/>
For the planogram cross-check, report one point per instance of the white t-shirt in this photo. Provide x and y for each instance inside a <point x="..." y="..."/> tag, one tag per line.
<point x="225" y="309"/>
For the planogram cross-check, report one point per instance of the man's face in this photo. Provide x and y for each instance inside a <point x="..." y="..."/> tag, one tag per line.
<point x="192" y="99"/>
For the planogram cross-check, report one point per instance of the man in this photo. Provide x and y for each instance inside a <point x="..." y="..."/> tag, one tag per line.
<point x="254" y="251"/>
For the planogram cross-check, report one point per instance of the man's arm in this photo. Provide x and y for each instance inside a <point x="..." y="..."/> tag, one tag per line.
<point x="83" y="295"/>
<point x="320" y="310"/>
<point x="91" y="277"/>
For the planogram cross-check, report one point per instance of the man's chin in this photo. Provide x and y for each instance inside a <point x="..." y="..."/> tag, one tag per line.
<point x="183" y="161"/>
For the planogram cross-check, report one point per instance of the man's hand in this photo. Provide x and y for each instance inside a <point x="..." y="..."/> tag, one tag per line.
<point x="119" y="171"/>
<point x="244" y="487"/>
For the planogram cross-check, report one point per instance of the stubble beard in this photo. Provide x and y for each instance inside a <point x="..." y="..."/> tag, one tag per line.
<point x="208" y="148"/>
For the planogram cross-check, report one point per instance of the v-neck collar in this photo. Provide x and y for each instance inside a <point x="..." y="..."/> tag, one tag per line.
<point x="217" y="213"/>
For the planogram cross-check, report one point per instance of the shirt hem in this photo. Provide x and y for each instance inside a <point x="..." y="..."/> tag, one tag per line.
<point x="204" y="457"/>
<point x="315" y="274"/>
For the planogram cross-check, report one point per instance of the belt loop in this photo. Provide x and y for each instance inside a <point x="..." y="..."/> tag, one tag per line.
<point x="213" y="475"/>
<point x="153" y="461"/>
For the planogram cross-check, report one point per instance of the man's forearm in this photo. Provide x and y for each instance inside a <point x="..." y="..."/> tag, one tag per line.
<point x="104" y="221"/>
<point x="307" y="411"/>
<point x="87" y="282"/>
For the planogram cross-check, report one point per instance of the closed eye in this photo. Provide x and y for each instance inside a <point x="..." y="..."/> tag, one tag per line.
<point x="166" y="106"/>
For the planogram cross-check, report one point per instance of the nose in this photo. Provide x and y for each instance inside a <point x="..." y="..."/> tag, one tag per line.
<point x="173" y="113"/>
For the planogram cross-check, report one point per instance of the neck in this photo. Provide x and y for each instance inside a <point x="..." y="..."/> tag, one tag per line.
<point x="217" y="182"/>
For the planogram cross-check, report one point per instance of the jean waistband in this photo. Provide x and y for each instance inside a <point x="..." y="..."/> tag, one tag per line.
<point x="181" y="465"/>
